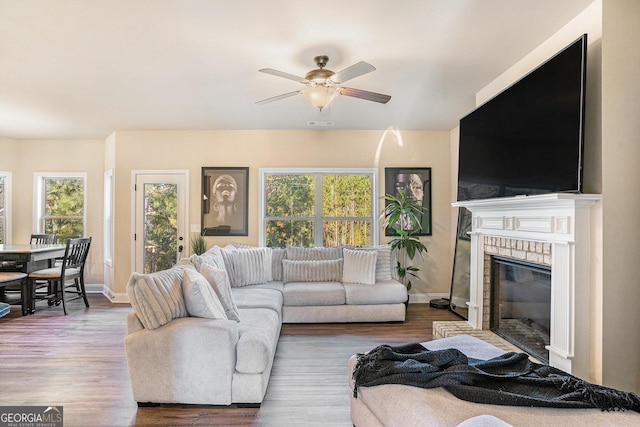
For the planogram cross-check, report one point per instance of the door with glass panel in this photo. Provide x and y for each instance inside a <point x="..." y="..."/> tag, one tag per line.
<point x="160" y="220"/>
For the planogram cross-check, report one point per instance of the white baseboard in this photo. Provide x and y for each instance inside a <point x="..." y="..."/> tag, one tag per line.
<point x="99" y="288"/>
<point x="123" y="298"/>
<point x="424" y="298"/>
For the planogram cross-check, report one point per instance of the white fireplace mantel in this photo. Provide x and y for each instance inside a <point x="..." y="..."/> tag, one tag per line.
<point x="564" y="221"/>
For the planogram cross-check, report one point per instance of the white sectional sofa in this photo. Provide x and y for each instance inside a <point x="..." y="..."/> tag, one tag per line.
<point x="206" y="330"/>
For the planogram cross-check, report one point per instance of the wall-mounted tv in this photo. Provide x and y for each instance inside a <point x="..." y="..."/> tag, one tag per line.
<point x="529" y="138"/>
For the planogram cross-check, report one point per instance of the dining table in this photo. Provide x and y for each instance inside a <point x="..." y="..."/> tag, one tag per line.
<point x="27" y="258"/>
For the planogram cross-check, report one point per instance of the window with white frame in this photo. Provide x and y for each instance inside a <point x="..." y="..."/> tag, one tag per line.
<point x="108" y="217"/>
<point x="61" y="204"/>
<point x="5" y="207"/>
<point x="312" y="207"/>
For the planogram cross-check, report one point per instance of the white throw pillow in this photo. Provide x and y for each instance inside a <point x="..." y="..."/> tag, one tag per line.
<point x="383" y="263"/>
<point x="324" y="270"/>
<point x="200" y="298"/>
<point x="219" y="281"/>
<point x="252" y="266"/>
<point x="277" y="254"/>
<point x="157" y="297"/>
<point x="359" y="266"/>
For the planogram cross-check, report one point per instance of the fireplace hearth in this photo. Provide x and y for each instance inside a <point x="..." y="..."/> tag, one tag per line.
<point x="520" y="301"/>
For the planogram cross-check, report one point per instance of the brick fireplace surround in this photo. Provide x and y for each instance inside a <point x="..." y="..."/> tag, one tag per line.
<point x="552" y="230"/>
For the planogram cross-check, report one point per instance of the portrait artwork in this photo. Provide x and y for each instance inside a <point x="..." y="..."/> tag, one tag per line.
<point x="416" y="184"/>
<point x="225" y="201"/>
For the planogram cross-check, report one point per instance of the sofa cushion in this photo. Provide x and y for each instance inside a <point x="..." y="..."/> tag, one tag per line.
<point x="157" y="297"/>
<point x="258" y="334"/>
<point x="276" y="286"/>
<point x="252" y="297"/>
<point x="384" y="266"/>
<point x="387" y="292"/>
<point x="219" y="281"/>
<point x="329" y="270"/>
<point x="252" y="266"/>
<point x="200" y="298"/>
<point x="317" y="253"/>
<point x="359" y="267"/>
<point x="313" y="293"/>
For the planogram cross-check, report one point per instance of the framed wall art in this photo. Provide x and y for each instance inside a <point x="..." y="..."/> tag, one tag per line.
<point x="225" y="201"/>
<point x="416" y="184"/>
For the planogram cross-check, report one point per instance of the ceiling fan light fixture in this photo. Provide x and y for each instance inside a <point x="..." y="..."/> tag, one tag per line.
<point x="321" y="96"/>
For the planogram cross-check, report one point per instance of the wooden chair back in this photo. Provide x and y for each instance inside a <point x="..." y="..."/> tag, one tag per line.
<point x="76" y="254"/>
<point x="43" y="239"/>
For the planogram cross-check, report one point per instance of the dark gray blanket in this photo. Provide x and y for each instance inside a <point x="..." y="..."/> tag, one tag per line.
<point x="510" y="379"/>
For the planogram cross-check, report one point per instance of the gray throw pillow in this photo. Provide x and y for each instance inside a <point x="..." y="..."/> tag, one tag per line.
<point x="219" y="281"/>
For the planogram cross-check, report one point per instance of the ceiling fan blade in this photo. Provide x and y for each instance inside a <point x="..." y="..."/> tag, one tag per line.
<point x="279" y="97"/>
<point x="364" y="94"/>
<point x="283" y="74"/>
<point x="351" y="72"/>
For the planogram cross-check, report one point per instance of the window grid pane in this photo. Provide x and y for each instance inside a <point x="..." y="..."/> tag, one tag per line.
<point x="290" y="195"/>
<point x="63" y="207"/>
<point x="289" y="232"/>
<point x="346" y="196"/>
<point x="347" y="232"/>
<point x="64" y="197"/>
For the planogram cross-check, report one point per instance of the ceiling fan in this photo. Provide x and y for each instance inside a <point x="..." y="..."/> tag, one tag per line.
<point x="323" y="85"/>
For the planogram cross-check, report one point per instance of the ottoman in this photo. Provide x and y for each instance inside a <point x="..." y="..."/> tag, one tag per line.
<point x="401" y="405"/>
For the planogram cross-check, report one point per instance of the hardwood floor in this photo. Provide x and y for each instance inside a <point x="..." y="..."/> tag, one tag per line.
<point x="78" y="362"/>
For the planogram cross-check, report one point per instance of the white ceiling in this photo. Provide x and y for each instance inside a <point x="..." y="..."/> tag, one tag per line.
<point x="84" y="68"/>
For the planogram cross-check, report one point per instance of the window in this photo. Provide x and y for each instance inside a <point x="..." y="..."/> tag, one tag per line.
<point x="311" y="207"/>
<point x="61" y="201"/>
<point x="108" y="217"/>
<point x="5" y="207"/>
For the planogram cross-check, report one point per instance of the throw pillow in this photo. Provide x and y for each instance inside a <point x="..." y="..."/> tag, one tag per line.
<point x="329" y="270"/>
<point x="317" y="253"/>
<point x="200" y="298"/>
<point x="383" y="262"/>
<point x="212" y="257"/>
<point x="359" y="266"/>
<point x="278" y="254"/>
<point x="227" y="257"/>
<point x="157" y="298"/>
<point x="252" y="266"/>
<point x="219" y="281"/>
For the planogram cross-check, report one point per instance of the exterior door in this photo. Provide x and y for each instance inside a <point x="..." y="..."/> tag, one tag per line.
<point x="161" y="237"/>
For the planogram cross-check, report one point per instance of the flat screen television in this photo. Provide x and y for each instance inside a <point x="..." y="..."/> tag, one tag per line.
<point x="529" y="138"/>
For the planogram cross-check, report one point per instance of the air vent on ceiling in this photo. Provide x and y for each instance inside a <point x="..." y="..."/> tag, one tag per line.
<point x="316" y="123"/>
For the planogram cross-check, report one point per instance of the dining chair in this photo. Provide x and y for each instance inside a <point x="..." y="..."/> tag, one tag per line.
<point x="43" y="239"/>
<point x="68" y="277"/>
<point x="9" y="278"/>
<point x="36" y="239"/>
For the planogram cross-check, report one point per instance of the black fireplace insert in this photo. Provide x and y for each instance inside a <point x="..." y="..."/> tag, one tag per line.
<point x="521" y="304"/>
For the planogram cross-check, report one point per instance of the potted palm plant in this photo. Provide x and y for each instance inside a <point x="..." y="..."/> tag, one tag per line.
<point x="400" y="214"/>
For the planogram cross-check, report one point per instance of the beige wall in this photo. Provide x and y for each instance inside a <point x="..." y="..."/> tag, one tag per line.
<point x="191" y="150"/>
<point x="30" y="156"/>
<point x="621" y="198"/>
